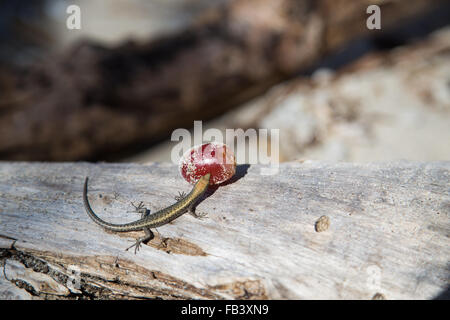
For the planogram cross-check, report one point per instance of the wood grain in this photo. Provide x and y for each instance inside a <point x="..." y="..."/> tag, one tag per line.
<point x="388" y="233"/>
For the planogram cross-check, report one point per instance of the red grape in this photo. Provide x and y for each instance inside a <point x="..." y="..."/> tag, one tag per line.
<point x="214" y="158"/>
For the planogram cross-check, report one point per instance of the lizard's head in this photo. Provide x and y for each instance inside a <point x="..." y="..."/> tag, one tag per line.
<point x="204" y="180"/>
<point x="206" y="177"/>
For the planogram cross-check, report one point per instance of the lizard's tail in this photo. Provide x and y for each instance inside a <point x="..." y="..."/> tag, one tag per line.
<point x="103" y="223"/>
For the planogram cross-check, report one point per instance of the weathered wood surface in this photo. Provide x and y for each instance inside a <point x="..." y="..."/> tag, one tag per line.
<point x="388" y="233"/>
<point x="57" y="109"/>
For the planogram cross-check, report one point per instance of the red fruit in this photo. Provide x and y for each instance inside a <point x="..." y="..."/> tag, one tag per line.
<point x="214" y="158"/>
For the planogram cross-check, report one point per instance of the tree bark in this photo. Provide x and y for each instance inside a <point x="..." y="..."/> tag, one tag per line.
<point x="313" y="231"/>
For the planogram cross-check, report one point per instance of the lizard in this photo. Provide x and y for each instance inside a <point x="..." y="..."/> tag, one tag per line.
<point x="184" y="203"/>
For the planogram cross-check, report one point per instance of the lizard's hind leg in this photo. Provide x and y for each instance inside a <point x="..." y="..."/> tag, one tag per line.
<point x="148" y="236"/>
<point x="148" y="233"/>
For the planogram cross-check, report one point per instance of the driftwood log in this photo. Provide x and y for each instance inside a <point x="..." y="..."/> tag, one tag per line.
<point x="94" y="102"/>
<point x="315" y="230"/>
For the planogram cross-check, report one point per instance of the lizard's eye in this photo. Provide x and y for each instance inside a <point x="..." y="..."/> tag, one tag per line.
<point x="214" y="158"/>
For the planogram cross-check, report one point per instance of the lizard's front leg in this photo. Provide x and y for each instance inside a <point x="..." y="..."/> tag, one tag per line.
<point x="180" y="196"/>
<point x="200" y="215"/>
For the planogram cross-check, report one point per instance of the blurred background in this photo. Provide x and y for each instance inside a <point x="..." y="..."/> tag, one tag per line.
<point x="115" y="89"/>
